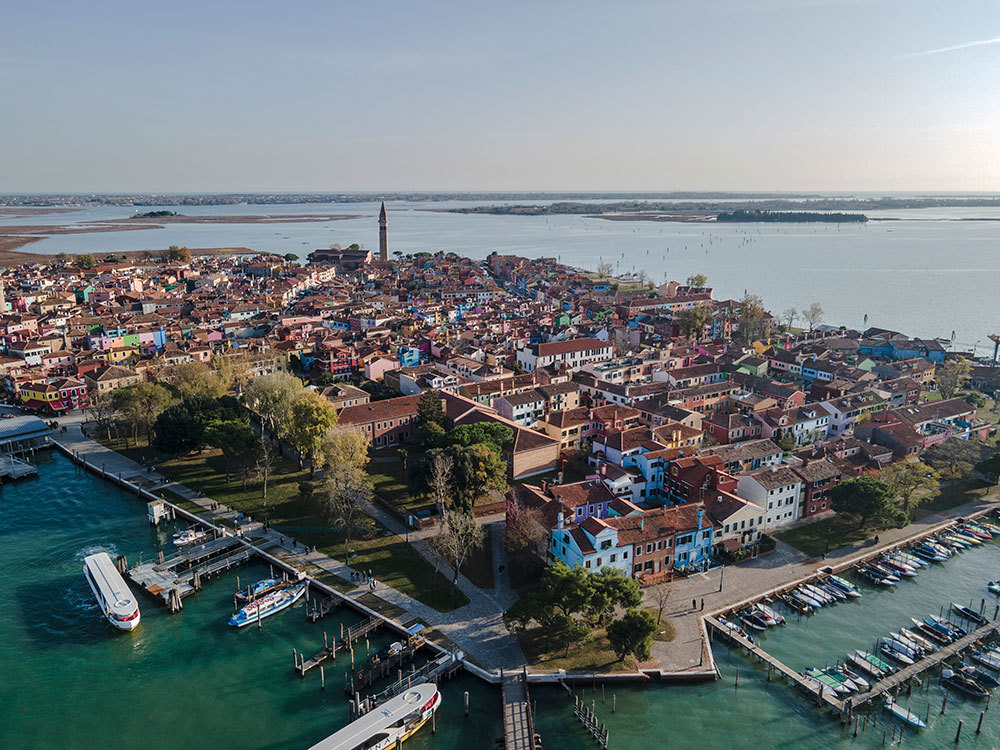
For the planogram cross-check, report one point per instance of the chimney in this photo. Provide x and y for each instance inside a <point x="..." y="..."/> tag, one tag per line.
<point x="642" y="522"/>
<point x="559" y="520"/>
<point x="701" y="515"/>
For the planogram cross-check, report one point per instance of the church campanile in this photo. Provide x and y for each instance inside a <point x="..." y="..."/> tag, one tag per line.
<point x="383" y="234"/>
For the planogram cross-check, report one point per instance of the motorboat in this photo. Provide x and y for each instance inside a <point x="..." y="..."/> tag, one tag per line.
<point x="817" y="594"/>
<point x="389" y="724"/>
<point x="257" y="590"/>
<point x="189" y="536"/>
<point x="735" y="629"/>
<point x="911" y="560"/>
<point x="753" y="620"/>
<point x="807" y="598"/>
<point x="929" y="553"/>
<point x="914" y="650"/>
<point x="903" y="714"/>
<point x="826" y="680"/>
<point x="854" y="677"/>
<point x="267" y="605"/>
<point x="981" y="676"/>
<point x="982" y="534"/>
<point x="925" y="643"/>
<point x="769" y="614"/>
<point x="898" y="568"/>
<point x="894" y="651"/>
<point x="955" y="631"/>
<point x="875" y="577"/>
<point x="833" y="591"/>
<point x="968" y="614"/>
<point x="884" y="572"/>
<point x="993" y="587"/>
<point x="987" y="659"/>
<point x="938" y="636"/>
<point x="842" y="678"/>
<point x="844" y="585"/>
<point x="113" y="595"/>
<point x="863" y="665"/>
<point x="957" y="541"/>
<point x="966" y="534"/>
<point x="795" y="603"/>
<point x="963" y="684"/>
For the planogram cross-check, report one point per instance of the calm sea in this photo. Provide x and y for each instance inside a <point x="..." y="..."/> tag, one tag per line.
<point x="929" y="273"/>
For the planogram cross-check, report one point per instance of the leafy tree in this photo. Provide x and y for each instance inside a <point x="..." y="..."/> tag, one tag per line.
<point x="141" y="404"/>
<point x="952" y="375"/>
<point x="953" y="459"/>
<point x="566" y="589"/>
<point x="752" y="318"/>
<point x="633" y="634"/>
<point x="429" y="408"/>
<point x="311" y="417"/>
<point x="529" y="607"/>
<point x="195" y="379"/>
<point x="235" y="369"/>
<point x="430" y="434"/>
<point x="907" y="478"/>
<point x="271" y="397"/>
<point x="64" y="257"/>
<point x="813" y="315"/>
<point x="86" y="261"/>
<point x="178" y="430"/>
<point x="698" y="281"/>
<point x="990" y="468"/>
<point x="786" y="442"/>
<point x="291" y="257"/>
<point x="178" y="254"/>
<point x="562" y="631"/>
<point x="975" y="399"/>
<point x="494" y="435"/>
<point x="348" y="486"/>
<point x="477" y="469"/>
<point x="869" y="500"/>
<point x="238" y="443"/>
<point x="693" y="320"/>
<point x="609" y="589"/>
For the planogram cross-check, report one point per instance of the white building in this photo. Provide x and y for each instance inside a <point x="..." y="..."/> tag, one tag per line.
<point x="777" y="489"/>
<point x="571" y="354"/>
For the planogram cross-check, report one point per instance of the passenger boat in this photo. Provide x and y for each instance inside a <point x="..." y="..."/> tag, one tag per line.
<point x="262" y="587"/>
<point x="112" y="593"/>
<point x="993" y="587"/>
<point x="968" y="614"/>
<point x="267" y="605"/>
<point x="394" y="721"/>
<point x="904" y="715"/>
<point x="963" y="684"/>
<point x="982" y="677"/>
<point x="189" y="536"/>
<point x="844" y="585"/>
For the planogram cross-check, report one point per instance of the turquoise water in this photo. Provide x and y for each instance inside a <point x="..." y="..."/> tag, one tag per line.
<point x="188" y="680"/>
<point x="887" y="270"/>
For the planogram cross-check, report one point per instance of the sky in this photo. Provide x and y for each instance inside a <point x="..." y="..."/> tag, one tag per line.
<point x="323" y="95"/>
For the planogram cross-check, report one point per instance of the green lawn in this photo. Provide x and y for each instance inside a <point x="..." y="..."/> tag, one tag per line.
<point x="824" y="535"/>
<point x="594" y="654"/>
<point x="951" y="494"/>
<point x="390" y="482"/>
<point x="665" y="630"/>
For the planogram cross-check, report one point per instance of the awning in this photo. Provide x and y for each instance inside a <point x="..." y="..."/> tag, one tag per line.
<point x="34" y="404"/>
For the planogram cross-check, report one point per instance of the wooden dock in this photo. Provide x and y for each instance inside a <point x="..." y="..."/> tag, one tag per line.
<point x="344" y="642"/>
<point x="321" y="609"/>
<point x="15" y="468"/>
<point x="518" y="722"/>
<point x="443" y="666"/>
<point x="180" y="575"/>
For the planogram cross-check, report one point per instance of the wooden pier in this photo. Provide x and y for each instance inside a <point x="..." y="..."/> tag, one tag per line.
<point x="518" y="721"/>
<point x="321" y="609"/>
<point x="443" y="666"/>
<point x="12" y="467"/>
<point x="331" y="646"/>
<point x="180" y="575"/>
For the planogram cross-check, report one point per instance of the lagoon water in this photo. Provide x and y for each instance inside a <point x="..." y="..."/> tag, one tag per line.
<point x="925" y="272"/>
<point x="187" y="680"/>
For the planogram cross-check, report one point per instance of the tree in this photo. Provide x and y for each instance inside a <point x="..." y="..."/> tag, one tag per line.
<point x="990" y="468"/>
<point x="102" y="410"/>
<point x="311" y="417"/>
<point x="85" y="261"/>
<point x="493" y="435"/>
<point x="697" y="281"/>
<point x="141" y="404"/>
<point x="975" y="399"/>
<point x="660" y="593"/>
<point x="402" y="453"/>
<point x="265" y="458"/>
<point x="952" y="375"/>
<point x="562" y="631"/>
<point x="348" y="486"/>
<point x="178" y="254"/>
<point x="238" y="443"/>
<point x="195" y="379"/>
<point x="476" y="470"/>
<point x="291" y="257"/>
<point x="752" y="318"/>
<point x="605" y="269"/>
<point x="953" y="459"/>
<point x="271" y="397"/>
<point x="429" y="408"/>
<point x="907" y="478"/>
<point x="439" y="480"/>
<point x="813" y="315"/>
<point x="64" y="257"/>
<point x="430" y="435"/>
<point x="869" y="500"/>
<point x="178" y="430"/>
<point x="609" y="589"/>
<point x="789" y="316"/>
<point x="234" y="368"/>
<point x="633" y="634"/>
<point x="786" y="442"/>
<point x="566" y="589"/>
<point x="525" y="534"/>
<point x="692" y="321"/>
<point x="460" y="535"/>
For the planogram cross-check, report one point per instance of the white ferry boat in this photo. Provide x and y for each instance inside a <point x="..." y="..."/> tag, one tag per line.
<point x="113" y="594"/>
<point x="397" y="719"/>
<point x="267" y="605"/>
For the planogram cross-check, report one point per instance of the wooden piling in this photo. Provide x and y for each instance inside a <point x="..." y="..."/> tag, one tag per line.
<point x="958" y="733"/>
<point x="322" y="678"/>
<point x="979" y="726"/>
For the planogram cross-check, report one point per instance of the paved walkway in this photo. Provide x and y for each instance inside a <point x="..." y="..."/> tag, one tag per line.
<point x="477" y="628"/>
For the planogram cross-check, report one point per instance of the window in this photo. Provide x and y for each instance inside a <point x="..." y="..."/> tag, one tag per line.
<point x="613" y="558"/>
<point x="587" y="564"/>
<point x="600" y="562"/>
<point x="649" y="548"/>
<point x="625" y="555"/>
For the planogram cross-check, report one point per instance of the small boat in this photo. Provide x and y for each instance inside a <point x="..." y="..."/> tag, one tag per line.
<point x="795" y="604"/>
<point x="957" y="541"/>
<point x="938" y="636"/>
<point x="912" y="560"/>
<point x="753" y="620"/>
<point x="256" y="590"/>
<point x="389" y="724"/>
<point x="990" y="527"/>
<point x="884" y="572"/>
<point x="189" y="536"/>
<point x="807" y="598"/>
<point x="904" y="715"/>
<point x="977" y="532"/>
<point x="846" y="586"/>
<point x="966" y="534"/>
<point x="929" y="553"/>
<point x="968" y="614"/>
<point x="925" y="643"/>
<point x="769" y="614"/>
<point x="827" y="681"/>
<point x="875" y="577"/>
<point x="914" y="649"/>
<point x="987" y="659"/>
<point x="864" y="666"/>
<point x="899" y="568"/>
<point x="854" y="677"/>
<point x="833" y="591"/>
<point x="842" y="678"/>
<point x="955" y="631"/>
<point x="735" y="629"/>
<point x="815" y="593"/>
<point x="981" y="676"/>
<point x="874" y="661"/>
<point x="993" y="587"/>
<point x="963" y="684"/>
<point x="894" y="650"/>
<point x="113" y="595"/>
<point x="267" y="605"/>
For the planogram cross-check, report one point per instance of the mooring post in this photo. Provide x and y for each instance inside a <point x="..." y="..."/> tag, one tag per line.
<point x="979" y="726"/>
<point x="613" y="701"/>
<point x="737" y="683"/>
<point x="322" y="678"/>
<point x="467" y="706"/>
<point x="959" y="732"/>
<point x="295" y="659"/>
<point x="944" y="703"/>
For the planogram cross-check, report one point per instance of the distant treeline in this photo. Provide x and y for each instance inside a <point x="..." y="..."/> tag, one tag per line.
<point x="155" y="215"/>
<point x="742" y="214"/>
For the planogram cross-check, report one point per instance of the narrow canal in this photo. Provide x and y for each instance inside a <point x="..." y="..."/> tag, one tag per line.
<point x="189" y="680"/>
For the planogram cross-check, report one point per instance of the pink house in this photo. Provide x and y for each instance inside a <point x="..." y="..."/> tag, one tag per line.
<point x="377" y="367"/>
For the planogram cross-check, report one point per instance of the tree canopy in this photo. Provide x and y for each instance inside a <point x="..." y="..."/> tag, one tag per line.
<point x="908" y="479"/>
<point x="311" y="417"/>
<point x="869" y="500"/>
<point x="633" y="634"/>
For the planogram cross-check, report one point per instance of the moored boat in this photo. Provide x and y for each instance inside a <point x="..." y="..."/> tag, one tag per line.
<point x="904" y="715"/>
<point x="963" y="684"/>
<point x="894" y="650"/>
<point x="262" y="587"/>
<point x="993" y="587"/>
<point x="981" y="676"/>
<point x="987" y="659"/>
<point x="968" y="614"/>
<point x="874" y="661"/>
<point x="267" y="605"/>
<point x="844" y="585"/>
<point x="769" y="614"/>
<point x="113" y="595"/>
<point x="387" y="725"/>
<point x="189" y="536"/>
<point x="865" y="666"/>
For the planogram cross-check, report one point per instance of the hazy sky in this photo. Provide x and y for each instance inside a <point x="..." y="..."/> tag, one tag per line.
<point x="379" y="95"/>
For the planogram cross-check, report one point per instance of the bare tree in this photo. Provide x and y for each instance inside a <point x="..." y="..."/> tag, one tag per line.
<point x="789" y="316"/>
<point x="348" y="486"/>
<point x="265" y="457"/>
<point x="659" y="594"/>
<point x="439" y="480"/>
<point x="459" y="537"/>
<point x="102" y="410"/>
<point x="813" y="315"/>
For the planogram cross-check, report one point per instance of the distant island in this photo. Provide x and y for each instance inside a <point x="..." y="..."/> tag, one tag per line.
<point x="744" y="215"/>
<point x="155" y="215"/>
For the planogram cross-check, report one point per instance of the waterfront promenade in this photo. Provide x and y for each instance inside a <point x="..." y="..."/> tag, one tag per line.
<point x="476" y="628"/>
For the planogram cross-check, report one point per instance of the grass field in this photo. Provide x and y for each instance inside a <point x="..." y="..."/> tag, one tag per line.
<point x="594" y="654"/>
<point x="824" y="535"/>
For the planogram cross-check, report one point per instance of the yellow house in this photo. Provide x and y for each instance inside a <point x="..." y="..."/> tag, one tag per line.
<point x="568" y="427"/>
